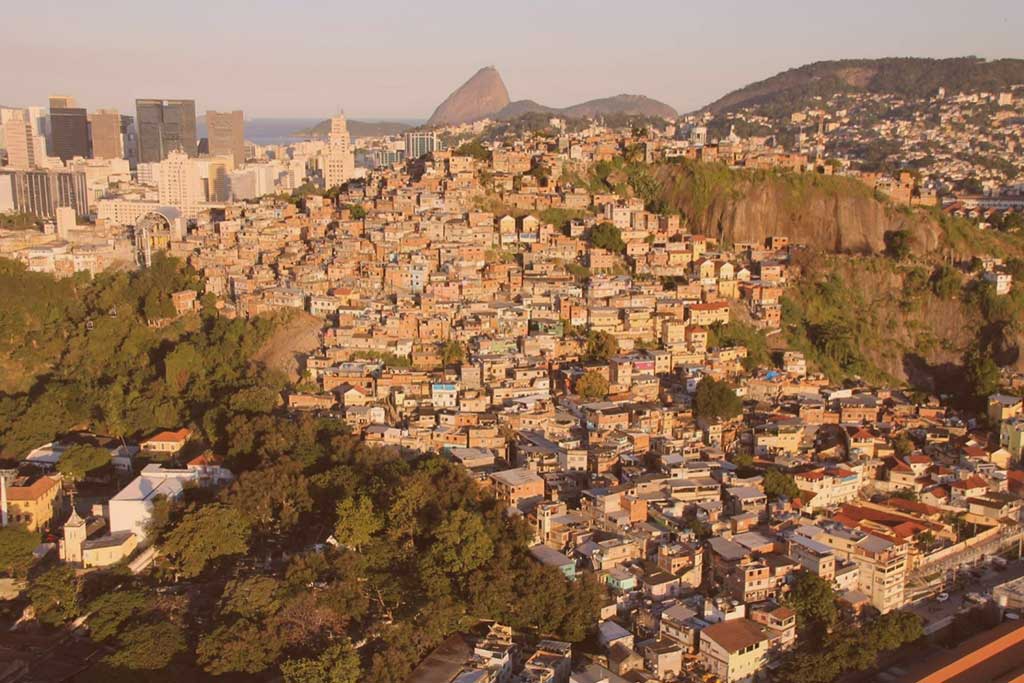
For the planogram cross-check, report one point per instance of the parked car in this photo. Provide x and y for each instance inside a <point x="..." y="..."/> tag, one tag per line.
<point x="942" y="597"/>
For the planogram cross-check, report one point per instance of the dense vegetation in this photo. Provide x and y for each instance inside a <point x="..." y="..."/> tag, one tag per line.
<point x="716" y="400"/>
<point x="421" y="553"/>
<point x="79" y="353"/>
<point x="904" y="77"/>
<point x="326" y="560"/>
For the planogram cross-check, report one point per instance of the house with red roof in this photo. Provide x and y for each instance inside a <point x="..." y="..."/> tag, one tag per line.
<point x="167" y="441"/>
<point x="971" y="487"/>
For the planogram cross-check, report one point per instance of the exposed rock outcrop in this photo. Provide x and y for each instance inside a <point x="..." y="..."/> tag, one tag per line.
<point x="826" y="213"/>
<point x="481" y="96"/>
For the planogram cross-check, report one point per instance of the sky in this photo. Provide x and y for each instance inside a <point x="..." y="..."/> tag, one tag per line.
<point x="399" y="59"/>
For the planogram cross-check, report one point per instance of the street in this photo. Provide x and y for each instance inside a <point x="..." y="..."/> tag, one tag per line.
<point x="936" y="614"/>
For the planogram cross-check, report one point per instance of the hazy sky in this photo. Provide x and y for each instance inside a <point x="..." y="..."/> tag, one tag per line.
<point x="399" y="59"/>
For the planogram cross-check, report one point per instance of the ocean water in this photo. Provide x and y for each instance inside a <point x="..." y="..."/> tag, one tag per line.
<point x="268" y="131"/>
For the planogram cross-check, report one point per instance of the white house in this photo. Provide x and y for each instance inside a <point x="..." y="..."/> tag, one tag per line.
<point x="131" y="507"/>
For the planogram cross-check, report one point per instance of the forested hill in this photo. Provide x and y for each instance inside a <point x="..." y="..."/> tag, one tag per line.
<point x="903" y="76"/>
<point x="422" y="553"/>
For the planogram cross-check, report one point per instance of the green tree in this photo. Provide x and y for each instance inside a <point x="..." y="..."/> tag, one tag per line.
<point x="601" y="346"/>
<point x="79" y="460"/>
<point x="55" y="595"/>
<point x="357" y="521"/>
<point x="607" y="236"/>
<point x="897" y="244"/>
<point x="16" y="546"/>
<point x="253" y="597"/>
<point x="474" y="149"/>
<point x="339" y="663"/>
<point x="272" y="499"/>
<point x="461" y="543"/>
<point x="452" y="353"/>
<point x="110" y="612"/>
<point x="181" y="365"/>
<point x="149" y="647"/>
<point x="903" y="446"/>
<point x="715" y="399"/>
<point x="211" y="533"/>
<point x="778" y="484"/>
<point x="981" y="374"/>
<point x="242" y="646"/>
<point x="946" y="282"/>
<point x="814" y="602"/>
<point x="592" y="386"/>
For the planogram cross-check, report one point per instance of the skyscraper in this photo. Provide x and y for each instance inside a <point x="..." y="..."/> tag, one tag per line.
<point x="164" y="126"/>
<point x="62" y="102"/>
<point x="225" y="132"/>
<point x="69" y="128"/>
<point x="19" y="141"/>
<point x="129" y="142"/>
<point x="339" y="159"/>
<point x="105" y="125"/>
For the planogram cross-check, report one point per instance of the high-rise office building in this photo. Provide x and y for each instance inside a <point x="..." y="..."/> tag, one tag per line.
<point x="129" y="141"/>
<point x="62" y="102"/>
<point x="419" y="143"/>
<point x="41" y="192"/>
<point x="20" y="143"/>
<point x="164" y="126"/>
<point x="339" y="159"/>
<point x="225" y="133"/>
<point x="69" y="128"/>
<point x="105" y="126"/>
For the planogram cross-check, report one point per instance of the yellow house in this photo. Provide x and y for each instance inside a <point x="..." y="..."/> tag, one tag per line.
<point x="734" y="650"/>
<point x="34" y="504"/>
<point x="1002" y="407"/>
<point x="107" y="550"/>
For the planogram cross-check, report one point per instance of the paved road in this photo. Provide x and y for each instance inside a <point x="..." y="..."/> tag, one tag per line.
<point x="932" y="611"/>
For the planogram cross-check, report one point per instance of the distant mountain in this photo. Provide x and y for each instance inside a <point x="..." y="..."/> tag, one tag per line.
<point x="478" y="98"/>
<point x="516" y="109"/>
<point x="481" y="96"/>
<point x="909" y="77"/>
<point x="358" y="129"/>
<point x="619" y="104"/>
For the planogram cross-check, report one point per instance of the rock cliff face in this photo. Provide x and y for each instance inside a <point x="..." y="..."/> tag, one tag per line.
<point x="829" y="214"/>
<point x="481" y="96"/>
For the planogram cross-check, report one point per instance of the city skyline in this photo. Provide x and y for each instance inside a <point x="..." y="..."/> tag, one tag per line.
<point x="436" y="48"/>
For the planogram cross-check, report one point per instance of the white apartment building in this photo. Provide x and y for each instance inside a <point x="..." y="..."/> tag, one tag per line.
<point x="339" y="162"/>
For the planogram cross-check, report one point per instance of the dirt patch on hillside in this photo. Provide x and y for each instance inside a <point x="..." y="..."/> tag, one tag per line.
<point x="857" y="77"/>
<point x="288" y="347"/>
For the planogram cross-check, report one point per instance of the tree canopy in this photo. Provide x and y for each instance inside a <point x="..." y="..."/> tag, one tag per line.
<point x="78" y="461"/>
<point x="607" y="236"/>
<point x="715" y="399"/>
<point x="778" y="484"/>
<point x="212" y="532"/>
<point x="16" y="546"/>
<point x="592" y="386"/>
